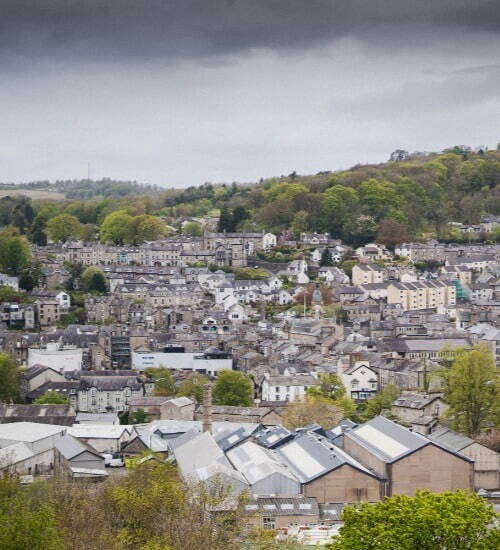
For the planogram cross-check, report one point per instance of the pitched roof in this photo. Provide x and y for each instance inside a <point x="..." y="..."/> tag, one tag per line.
<point x="45" y="414"/>
<point x="35" y="370"/>
<point x="415" y="400"/>
<point x="29" y="432"/>
<point x="386" y="439"/>
<point x="310" y="456"/>
<point x="450" y="439"/>
<point x="257" y="463"/>
<point x="70" y="447"/>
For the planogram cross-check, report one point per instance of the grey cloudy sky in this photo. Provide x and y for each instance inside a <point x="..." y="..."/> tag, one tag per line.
<point x="179" y="92"/>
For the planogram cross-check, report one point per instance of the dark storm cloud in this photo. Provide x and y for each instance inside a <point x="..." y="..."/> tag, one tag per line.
<point x="178" y="29"/>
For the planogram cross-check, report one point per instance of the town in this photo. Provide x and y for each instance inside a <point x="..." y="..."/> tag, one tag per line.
<point x="308" y="384"/>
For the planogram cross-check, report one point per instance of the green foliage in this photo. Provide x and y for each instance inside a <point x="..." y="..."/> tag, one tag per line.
<point x="26" y="521"/>
<point x="447" y="521"/>
<point x="233" y="388"/>
<point x="63" y="227"/>
<point x="140" y="416"/>
<point x="30" y="276"/>
<point x="37" y="231"/>
<point x="313" y="410"/>
<point x="249" y="273"/>
<point x="162" y="378"/>
<point x="380" y="402"/>
<point x="300" y="223"/>
<point x="94" y="280"/>
<point x="193" y="229"/>
<point x="15" y="252"/>
<point x="8" y="294"/>
<point x="52" y="398"/>
<point x="192" y="387"/>
<point x="9" y="379"/>
<point x="330" y="386"/>
<point x="120" y="228"/>
<point x="472" y="390"/>
<point x="117" y="228"/>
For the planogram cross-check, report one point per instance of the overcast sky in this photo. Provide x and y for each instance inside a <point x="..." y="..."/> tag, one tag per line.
<point x="179" y="92"/>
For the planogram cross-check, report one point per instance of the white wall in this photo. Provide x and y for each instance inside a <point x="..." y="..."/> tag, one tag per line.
<point x="180" y="361"/>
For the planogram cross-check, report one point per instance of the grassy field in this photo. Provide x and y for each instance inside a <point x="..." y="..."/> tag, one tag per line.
<point x="35" y="194"/>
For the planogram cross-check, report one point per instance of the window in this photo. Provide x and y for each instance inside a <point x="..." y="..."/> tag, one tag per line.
<point x="269" y="523"/>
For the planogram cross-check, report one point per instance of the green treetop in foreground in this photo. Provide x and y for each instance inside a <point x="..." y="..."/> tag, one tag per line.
<point x="447" y="521"/>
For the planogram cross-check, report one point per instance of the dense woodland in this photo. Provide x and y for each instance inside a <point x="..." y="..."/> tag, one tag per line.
<point x="409" y="197"/>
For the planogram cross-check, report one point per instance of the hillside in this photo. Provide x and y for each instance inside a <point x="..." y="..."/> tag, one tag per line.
<point x="422" y="191"/>
<point x="412" y="196"/>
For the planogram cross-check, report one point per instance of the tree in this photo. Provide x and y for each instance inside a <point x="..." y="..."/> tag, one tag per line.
<point x="192" y="386"/>
<point x="339" y="206"/>
<point x="146" y="228"/>
<point x="193" y="229"/>
<point x="313" y="410"/>
<point x="30" y="276"/>
<point x="233" y="388"/>
<point x="300" y="223"/>
<point x="37" y="230"/>
<point x="381" y="402"/>
<point x="457" y="520"/>
<point x="163" y="381"/>
<point x="26" y="521"/>
<point x="93" y="279"/>
<point x="330" y="386"/>
<point x="52" y="398"/>
<point x="326" y="258"/>
<point x="399" y="155"/>
<point x="117" y="228"/>
<point x="472" y="391"/>
<point x="8" y="294"/>
<point x="225" y="223"/>
<point x="15" y="252"/>
<point x="240" y="214"/>
<point x="140" y="416"/>
<point x="63" y="227"/>
<point x="75" y="272"/>
<point x="9" y="378"/>
<point x="391" y="233"/>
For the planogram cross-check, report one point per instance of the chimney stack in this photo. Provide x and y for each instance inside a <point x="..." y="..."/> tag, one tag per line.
<point x="207" y="408"/>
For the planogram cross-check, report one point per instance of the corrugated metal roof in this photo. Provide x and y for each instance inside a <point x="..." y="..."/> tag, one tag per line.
<point x="29" y="431"/>
<point x="12" y="454"/>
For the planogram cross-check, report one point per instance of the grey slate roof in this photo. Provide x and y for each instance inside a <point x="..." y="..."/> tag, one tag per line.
<point x="35" y="370"/>
<point x="450" y="439"/>
<point x="60" y="415"/>
<point x="273" y="436"/>
<point x="415" y="400"/>
<point x="311" y="456"/>
<point x="227" y="439"/>
<point x="70" y="447"/>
